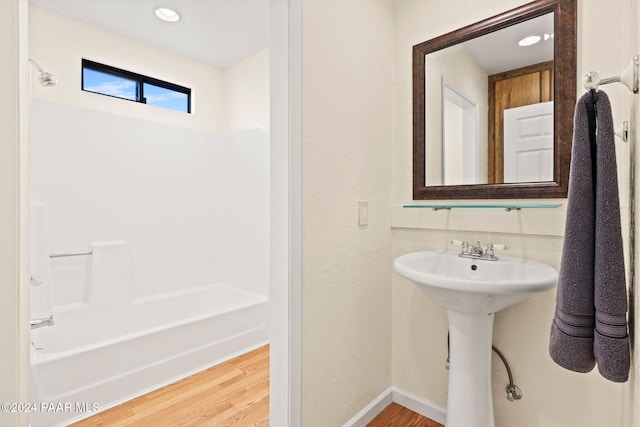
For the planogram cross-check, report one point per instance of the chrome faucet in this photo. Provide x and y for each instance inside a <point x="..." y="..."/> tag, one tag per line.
<point x="44" y="321"/>
<point x="476" y="252"/>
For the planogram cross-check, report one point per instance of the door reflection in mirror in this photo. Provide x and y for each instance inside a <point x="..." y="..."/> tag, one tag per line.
<point x="455" y="81"/>
<point x="460" y="137"/>
<point x="495" y="74"/>
<point x="528" y="143"/>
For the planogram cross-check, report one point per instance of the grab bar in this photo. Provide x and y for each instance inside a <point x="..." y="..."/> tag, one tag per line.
<point x="66" y="254"/>
<point x="39" y="323"/>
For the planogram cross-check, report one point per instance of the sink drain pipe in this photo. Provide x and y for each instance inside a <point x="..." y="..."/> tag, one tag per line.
<point x="513" y="391"/>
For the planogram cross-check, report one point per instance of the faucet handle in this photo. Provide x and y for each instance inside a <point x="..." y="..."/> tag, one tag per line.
<point x="464" y="245"/>
<point x="490" y="252"/>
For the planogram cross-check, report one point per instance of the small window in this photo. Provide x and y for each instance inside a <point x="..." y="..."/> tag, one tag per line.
<point x="111" y="81"/>
<point x="165" y="97"/>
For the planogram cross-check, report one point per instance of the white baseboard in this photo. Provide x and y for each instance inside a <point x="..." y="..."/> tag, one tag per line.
<point x="369" y="412"/>
<point x="420" y="405"/>
<point x="411" y="401"/>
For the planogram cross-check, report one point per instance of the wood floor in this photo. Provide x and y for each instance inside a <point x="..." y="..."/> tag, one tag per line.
<point x="232" y="394"/>
<point x="395" y="415"/>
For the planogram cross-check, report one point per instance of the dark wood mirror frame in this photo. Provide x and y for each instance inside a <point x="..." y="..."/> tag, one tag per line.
<point x="564" y="103"/>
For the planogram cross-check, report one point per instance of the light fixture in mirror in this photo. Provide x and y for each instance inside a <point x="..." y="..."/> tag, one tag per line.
<point x="492" y="119"/>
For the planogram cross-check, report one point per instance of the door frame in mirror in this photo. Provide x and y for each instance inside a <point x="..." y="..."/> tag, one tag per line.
<point x="565" y="25"/>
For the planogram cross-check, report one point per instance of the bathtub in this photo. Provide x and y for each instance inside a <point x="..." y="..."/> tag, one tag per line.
<point x="95" y="358"/>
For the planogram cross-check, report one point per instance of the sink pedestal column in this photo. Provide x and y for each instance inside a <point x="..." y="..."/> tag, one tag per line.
<point x="469" y="400"/>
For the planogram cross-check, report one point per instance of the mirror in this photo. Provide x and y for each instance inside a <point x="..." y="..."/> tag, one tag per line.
<point x="490" y="121"/>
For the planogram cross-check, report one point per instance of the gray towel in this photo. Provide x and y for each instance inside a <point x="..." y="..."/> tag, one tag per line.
<point x="571" y="343"/>
<point x="611" y="341"/>
<point x="590" y="324"/>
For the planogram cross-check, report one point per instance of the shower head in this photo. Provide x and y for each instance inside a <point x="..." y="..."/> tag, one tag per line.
<point x="46" y="79"/>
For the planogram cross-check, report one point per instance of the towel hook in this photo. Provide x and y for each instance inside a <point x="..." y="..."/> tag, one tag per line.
<point x="628" y="77"/>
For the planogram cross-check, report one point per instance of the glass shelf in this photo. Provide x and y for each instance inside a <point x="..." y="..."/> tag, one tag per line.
<point x="507" y="208"/>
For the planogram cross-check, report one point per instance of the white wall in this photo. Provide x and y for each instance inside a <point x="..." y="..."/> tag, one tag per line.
<point x="187" y="192"/>
<point x="346" y="317"/>
<point x="13" y="203"/>
<point x="552" y="395"/>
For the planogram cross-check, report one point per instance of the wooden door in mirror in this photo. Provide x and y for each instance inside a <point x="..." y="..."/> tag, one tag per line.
<point x="511" y="89"/>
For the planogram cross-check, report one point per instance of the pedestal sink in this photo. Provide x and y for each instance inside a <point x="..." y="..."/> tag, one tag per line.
<point x="472" y="290"/>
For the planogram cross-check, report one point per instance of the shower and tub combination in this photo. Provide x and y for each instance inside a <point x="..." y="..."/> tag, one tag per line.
<point x="113" y="347"/>
<point x="140" y="277"/>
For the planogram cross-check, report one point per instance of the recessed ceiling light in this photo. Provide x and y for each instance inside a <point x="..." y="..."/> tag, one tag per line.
<point x="167" y="14"/>
<point x="529" y="40"/>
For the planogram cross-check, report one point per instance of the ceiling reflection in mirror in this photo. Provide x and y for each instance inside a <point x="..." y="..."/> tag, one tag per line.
<point x="489" y="107"/>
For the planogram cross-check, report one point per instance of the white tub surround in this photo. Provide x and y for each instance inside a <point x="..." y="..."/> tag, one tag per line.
<point x="110" y="353"/>
<point x="111" y="270"/>
<point x="105" y="346"/>
<point x="41" y="304"/>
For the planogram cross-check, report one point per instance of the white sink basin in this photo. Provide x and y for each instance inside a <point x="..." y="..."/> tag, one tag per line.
<point x="472" y="290"/>
<point x="475" y="285"/>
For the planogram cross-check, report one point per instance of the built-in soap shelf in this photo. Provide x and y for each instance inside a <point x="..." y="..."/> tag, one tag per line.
<point x="507" y="208"/>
